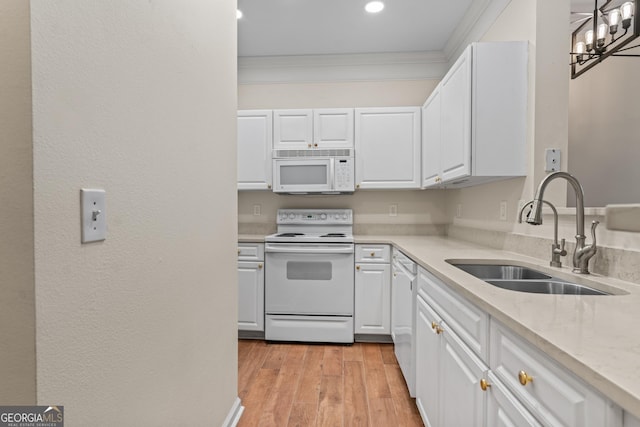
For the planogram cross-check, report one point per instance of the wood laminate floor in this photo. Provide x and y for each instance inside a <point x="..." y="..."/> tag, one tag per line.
<point x="322" y="385"/>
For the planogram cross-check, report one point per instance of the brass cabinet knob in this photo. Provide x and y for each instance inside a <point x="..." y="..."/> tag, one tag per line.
<point x="436" y="327"/>
<point x="315" y="145"/>
<point x="357" y="267"/>
<point x="308" y="145"/>
<point x="373" y="254"/>
<point x="357" y="185"/>
<point x="259" y="265"/>
<point x="524" y="378"/>
<point x="238" y="251"/>
<point x="484" y="384"/>
<point x="269" y="186"/>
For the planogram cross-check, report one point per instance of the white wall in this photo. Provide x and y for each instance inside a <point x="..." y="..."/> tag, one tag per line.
<point x="17" y="308"/>
<point x="370" y="207"/>
<point x="138" y="98"/>
<point x="604" y="124"/>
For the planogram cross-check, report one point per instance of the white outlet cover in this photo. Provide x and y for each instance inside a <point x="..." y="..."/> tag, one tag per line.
<point x="393" y="210"/>
<point x="93" y="215"/>
<point x="552" y="160"/>
<point x="503" y="211"/>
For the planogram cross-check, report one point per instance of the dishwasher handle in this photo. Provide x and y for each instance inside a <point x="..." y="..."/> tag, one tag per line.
<point x="283" y="248"/>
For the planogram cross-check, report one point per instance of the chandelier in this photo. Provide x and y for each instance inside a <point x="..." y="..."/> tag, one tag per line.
<point x="605" y="32"/>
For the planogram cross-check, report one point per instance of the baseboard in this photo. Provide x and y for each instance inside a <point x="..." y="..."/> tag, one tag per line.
<point x="234" y="414"/>
<point x="379" y="338"/>
<point x="251" y="335"/>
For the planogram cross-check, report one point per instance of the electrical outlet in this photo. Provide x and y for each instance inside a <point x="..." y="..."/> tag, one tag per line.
<point x="257" y="210"/>
<point x="503" y="210"/>
<point x="393" y="210"/>
<point x="459" y="210"/>
<point x="552" y="159"/>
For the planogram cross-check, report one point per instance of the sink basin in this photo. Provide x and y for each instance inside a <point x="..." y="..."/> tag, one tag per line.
<point x="495" y="271"/>
<point x="524" y="279"/>
<point x="545" y="287"/>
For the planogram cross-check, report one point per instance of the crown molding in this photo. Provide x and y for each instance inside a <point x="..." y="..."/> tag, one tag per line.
<point x="355" y="67"/>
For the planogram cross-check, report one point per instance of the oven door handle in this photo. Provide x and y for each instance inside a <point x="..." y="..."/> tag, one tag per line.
<point x="309" y="249"/>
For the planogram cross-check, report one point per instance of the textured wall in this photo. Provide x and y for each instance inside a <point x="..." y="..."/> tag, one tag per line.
<point x="138" y="98"/>
<point x="17" y="310"/>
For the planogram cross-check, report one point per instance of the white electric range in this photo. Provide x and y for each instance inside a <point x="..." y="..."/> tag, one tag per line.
<point x="309" y="276"/>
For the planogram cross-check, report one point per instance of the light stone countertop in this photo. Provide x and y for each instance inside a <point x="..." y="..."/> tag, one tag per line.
<point x="595" y="337"/>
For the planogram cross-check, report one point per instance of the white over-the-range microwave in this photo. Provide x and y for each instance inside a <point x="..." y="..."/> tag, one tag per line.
<point x="324" y="171"/>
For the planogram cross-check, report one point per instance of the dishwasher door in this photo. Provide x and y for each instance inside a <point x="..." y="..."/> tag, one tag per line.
<point x="403" y="297"/>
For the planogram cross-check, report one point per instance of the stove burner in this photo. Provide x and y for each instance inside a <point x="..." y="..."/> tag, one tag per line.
<point x="334" y="235"/>
<point x="289" y="234"/>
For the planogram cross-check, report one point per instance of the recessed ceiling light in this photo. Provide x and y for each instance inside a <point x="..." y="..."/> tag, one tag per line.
<point x="238" y="14"/>
<point x="374" y="6"/>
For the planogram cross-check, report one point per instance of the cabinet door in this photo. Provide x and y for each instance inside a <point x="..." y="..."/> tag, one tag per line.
<point x="462" y="402"/>
<point x="431" y="140"/>
<point x="455" y="155"/>
<point x="373" y="299"/>
<point x="387" y="142"/>
<point x="250" y="296"/>
<point x="333" y="128"/>
<point x="255" y="138"/>
<point x="292" y="129"/>
<point x="503" y="409"/>
<point x="427" y="364"/>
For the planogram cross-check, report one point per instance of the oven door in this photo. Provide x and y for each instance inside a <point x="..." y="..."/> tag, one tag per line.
<point x="309" y="279"/>
<point x="303" y="175"/>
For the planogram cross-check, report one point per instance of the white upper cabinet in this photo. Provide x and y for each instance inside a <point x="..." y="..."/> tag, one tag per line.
<point x="475" y="123"/>
<point x="431" y="140"/>
<point x="292" y="129"/>
<point x="305" y="129"/>
<point x="333" y="128"/>
<point x="387" y="142"/>
<point x="255" y="139"/>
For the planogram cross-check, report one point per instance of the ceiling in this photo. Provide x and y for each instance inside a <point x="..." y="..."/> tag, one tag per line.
<point x="328" y="27"/>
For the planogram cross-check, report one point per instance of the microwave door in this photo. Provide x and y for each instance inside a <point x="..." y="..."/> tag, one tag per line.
<point x="303" y="176"/>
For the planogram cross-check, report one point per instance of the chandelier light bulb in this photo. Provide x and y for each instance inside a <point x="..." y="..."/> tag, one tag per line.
<point x="614" y="20"/>
<point x="580" y="50"/>
<point x="588" y="39"/>
<point x="626" y="10"/>
<point x="602" y="33"/>
<point x="239" y="14"/>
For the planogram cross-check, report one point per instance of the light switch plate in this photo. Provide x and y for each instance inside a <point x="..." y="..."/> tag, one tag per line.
<point x="93" y="213"/>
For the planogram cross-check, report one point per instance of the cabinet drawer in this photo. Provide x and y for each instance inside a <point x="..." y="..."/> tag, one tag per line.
<point x="373" y="253"/>
<point x="250" y="251"/>
<point x="467" y="320"/>
<point x="551" y="393"/>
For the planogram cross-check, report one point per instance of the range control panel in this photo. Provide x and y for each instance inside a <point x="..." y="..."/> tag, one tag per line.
<point x="315" y="216"/>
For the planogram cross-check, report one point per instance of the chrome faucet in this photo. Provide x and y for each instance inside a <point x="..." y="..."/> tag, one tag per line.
<point x="582" y="253"/>
<point x="557" y="249"/>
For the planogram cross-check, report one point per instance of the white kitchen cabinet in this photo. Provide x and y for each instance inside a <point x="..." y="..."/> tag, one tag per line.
<point x="255" y="138"/>
<point x="372" y="314"/>
<point x="387" y="142"/>
<point x="431" y="140"/>
<point x="448" y="372"/>
<point x="251" y="287"/>
<point x="482" y="107"/>
<point x="552" y="394"/>
<point x="333" y="128"/>
<point x="427" y="361"/>
<point x="503" y="409"/>
<point x="310" y="129"/>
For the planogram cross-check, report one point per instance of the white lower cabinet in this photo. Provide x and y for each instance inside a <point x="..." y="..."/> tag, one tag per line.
<point x="503" y="409"/>
<point x="459" y="382"/>
<point x="251" y="287"/>
<point x="372" y="311"/>
<point x="373" y="299"/>
<point x="630" y="420"/>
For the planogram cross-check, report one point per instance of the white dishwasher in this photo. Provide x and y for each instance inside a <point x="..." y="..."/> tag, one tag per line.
<point x="403" y="297"/>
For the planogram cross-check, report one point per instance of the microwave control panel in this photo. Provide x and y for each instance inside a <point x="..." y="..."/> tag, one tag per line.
<point x="344" y="179"/>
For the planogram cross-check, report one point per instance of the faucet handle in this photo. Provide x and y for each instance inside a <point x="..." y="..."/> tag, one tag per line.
<point x="563" y="251"/>
<point x="594" y="224"/>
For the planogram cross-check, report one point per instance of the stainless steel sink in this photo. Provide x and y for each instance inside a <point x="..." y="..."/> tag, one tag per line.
<point x="495" y="271"/>
<point x="524" y="279"/>
<point x="545" y="287"/>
